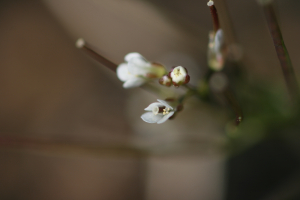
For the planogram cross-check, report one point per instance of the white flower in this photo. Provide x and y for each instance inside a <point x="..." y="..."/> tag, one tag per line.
<point x="179" y="76"/>
<point x="158" y="113"/>
<point x="137" y="70"/>
<point x="215" y="47"/>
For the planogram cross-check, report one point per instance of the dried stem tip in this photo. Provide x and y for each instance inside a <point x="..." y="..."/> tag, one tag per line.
<point x="81" y="44"/>
<point x="210" y="3"/>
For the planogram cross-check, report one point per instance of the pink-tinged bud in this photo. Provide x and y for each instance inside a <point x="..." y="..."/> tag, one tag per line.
<point x="179" y="76"/>
<point x="187" y="79"/>
<point x="165" y="80"/>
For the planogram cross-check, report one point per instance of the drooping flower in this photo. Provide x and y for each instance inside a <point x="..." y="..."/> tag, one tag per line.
<point x="158" y="112"/>
<point x="136" y="71"/>
<point x="179" y="76"/>
<point x="215" y="50"/>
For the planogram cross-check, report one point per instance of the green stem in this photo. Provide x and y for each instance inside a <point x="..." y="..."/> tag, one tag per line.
<point x="232" y="101"/>
<point x="281" y="50"/>
<point x="188" y="94"/>
<point x="189" y="87"/>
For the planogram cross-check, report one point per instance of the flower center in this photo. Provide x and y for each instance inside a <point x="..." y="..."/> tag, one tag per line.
<point x="162" y="110"/>
<point x="166" y="111"/>
<point x="158" y="109"/>
<point x="177" y="72"/>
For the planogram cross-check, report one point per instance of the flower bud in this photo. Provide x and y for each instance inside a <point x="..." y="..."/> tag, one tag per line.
<point x="137" y="71"/>
<point x="165" y="80"/>
<point x="179" y="76"/>
<point x="215" y="50"/>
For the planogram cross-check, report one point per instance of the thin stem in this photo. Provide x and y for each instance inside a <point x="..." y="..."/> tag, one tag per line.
<point x="189" y="87"/>
<point x="281" y="50"/>
<point x="215" y="17"/>
<point x="102" y="60"/>
<point x="208" y="75"/>
<point x="230" y="97"/>
<point x="193" y="91"/>
<point x="203" y="88"/>
<point x="151" y="88"/>
<point x="184" y="97"/>
<point x="81" y="44"/>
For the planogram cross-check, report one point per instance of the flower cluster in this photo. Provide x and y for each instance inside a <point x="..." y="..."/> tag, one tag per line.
<point x="137" y="71"/>
<point x="177" y="76"/>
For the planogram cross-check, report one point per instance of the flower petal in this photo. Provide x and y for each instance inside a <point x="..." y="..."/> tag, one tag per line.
<point x="123" y="73"/>
<point x="149" y="117"/>
<point x="129" y="56"/>
<point x="137" y="70"/>
<point x="139" y="66"/>
<point x="165" y="103"/>
<point x="152" y="105"/>
<point x="219" y="40"/>
<point x="134" y="82"/>
<point x="166" y="117"/>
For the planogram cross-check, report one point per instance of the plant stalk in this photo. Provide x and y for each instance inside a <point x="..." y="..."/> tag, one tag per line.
<point x="215" y="18"/>
<point x="102" y="60"/>
<point x="281" y="50"/>
<point x="230" y="97"/>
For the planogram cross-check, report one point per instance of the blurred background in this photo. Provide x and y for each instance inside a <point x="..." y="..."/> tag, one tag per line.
<point x="68" y="130"/>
